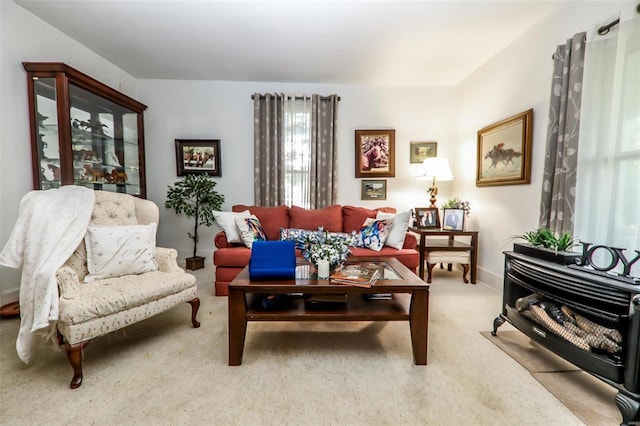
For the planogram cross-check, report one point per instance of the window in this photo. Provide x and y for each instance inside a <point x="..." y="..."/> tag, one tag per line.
<point x="297" y="151"/>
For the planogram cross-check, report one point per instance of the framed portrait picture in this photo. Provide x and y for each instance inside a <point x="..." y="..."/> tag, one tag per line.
<point x="420" y="151"/>
<point x="453" y="219"/>
<point x="375" y="153"/>
<point x="374" y="189"/>
<point x="504" y="151"/>
<point x="427" y="217"/>
<point x="198" y="156"/>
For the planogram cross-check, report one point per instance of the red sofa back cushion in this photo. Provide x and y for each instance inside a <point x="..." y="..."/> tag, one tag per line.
<point x="271" y="218"/>
<point x="353" y="217"/>
<point x="330" y="218"/>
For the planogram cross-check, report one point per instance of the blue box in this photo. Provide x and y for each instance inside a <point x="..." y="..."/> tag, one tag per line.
<point x="272" y="260"/>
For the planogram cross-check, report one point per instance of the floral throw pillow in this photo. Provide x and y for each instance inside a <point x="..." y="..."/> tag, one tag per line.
<point x="295" y="235"/>
<point x="250" y="230"/>
<point x="374" y="233"/>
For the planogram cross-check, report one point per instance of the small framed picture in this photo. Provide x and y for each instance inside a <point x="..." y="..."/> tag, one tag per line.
<point x="420" y="151"/>
<point x="198" y="156"/>
<point x="453" y="219"/>
<point x="374" y="189"/>
<point x="375" y="153"/>
<point x="427" y="217"/>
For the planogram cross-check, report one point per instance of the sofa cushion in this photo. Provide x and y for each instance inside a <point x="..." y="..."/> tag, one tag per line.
<point x="227" y="221"/>
<point x="330" y="218"/>
<point x="237" y="257"/>
<point x="399" y="228"/>
<point x="113" y="295"/>
<point x="374" y="233"/>
<point x="114" y="251"/>
<point x="271" y="218"/>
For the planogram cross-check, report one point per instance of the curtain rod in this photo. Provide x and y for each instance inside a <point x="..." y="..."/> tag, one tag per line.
<point x="297" y="97"/>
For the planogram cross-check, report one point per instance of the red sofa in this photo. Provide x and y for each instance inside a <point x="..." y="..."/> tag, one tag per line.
<point x="231" y="258"/>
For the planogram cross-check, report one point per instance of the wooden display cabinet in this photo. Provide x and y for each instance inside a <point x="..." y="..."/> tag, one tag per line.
<point x="83" y="132"/>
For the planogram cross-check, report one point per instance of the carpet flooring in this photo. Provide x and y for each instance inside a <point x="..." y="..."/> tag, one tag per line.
<point x="162" y="371"/>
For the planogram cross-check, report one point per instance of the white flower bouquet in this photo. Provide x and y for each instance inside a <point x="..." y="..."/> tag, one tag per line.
<point x="322" y="245"/>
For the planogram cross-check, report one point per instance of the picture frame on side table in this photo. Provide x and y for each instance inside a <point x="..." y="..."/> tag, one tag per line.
<point x="374" y="189"/>
<point x="427" y="217"/>
<point x="420" y="151"/>
<point x="504" y="151"/>
<point x="375" y="153"/>
<point x="198" y="156"/>
<point x="453" y="219"/>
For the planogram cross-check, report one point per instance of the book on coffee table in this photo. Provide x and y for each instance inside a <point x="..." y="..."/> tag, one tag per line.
<point x="357" y="275"/>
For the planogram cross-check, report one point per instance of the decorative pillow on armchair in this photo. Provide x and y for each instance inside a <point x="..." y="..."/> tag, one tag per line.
<point x="374" y="233"/>
<point x="250" y="230"/>
<point x="114" y="251"/>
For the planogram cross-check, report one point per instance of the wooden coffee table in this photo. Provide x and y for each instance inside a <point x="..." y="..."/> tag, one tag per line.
<point x="410" y="302"/>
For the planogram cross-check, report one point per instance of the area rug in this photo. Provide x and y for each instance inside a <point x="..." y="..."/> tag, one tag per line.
<point x="592" y="400"/>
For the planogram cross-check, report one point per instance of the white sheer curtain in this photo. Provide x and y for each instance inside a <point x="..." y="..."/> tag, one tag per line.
<point x="608" y="182"/>
<point x="297" y="150"/>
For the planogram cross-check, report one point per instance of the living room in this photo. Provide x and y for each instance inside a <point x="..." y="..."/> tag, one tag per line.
<point x="515" y="79"/>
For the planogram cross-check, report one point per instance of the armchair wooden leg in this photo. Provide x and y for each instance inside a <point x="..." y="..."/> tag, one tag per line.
<point x="465" y="271"/>
<point x="429" y="271"/>
<point x="195" y="305"/>
<point x="74" y="355"/>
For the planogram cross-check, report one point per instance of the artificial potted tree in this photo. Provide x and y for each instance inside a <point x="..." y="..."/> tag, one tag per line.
<point x="195" y="196"/>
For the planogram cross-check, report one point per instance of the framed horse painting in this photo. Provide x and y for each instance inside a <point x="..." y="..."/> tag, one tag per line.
<point x="375" y="153"/>
<point x="198" y="156"/>
<point x="504" y="151"/>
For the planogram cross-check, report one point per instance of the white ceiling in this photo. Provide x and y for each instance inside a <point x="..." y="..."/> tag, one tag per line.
<point x="406" y="43"/>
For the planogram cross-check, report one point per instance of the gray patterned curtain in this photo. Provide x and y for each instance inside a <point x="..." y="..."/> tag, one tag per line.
<point x="324" y="145"/>
<point x="559" y="180"/>
<point x="268" y="176"/>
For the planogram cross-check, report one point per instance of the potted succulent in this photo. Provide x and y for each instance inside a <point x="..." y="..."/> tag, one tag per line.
<point x="545" y="244"/>
<point x="195" y="196"/>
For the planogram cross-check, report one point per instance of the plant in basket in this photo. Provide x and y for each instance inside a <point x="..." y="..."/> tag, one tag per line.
<point x="322" y="245"/>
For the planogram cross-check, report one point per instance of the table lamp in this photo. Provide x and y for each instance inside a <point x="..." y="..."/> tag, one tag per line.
<point x="435" y="168"/>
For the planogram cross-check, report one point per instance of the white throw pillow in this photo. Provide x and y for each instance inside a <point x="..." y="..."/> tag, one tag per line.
<point x="113" y="251"/>
<point x="227" y="221"/>
<point x="250" y="230"/>
<point x="399" y="228"/>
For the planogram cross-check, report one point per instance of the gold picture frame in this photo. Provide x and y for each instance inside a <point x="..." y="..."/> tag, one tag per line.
<point x="504" y="151"/>
<point x="420" y="151"/>
<point x="375" y="153"/>
<point x="373" y="189"/>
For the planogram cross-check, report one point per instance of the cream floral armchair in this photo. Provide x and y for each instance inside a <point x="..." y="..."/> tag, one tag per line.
<point x="93" y="309"/>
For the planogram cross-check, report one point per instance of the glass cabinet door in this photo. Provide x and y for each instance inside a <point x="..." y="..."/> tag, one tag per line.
<point x="83" y="132"/>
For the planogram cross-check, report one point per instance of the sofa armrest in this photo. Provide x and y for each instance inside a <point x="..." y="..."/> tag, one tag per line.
<point x="68" y="282"/>
<point x="410" y="241"/>
<point x="220" y="240"/>
<point x="167" y="259"/>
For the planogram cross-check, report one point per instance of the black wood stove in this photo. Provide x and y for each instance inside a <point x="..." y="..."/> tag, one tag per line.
<point x="601" y="298"/>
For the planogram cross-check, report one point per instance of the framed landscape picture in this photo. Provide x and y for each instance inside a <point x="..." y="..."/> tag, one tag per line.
<point x="198" y="156"/>
<point x="420" y="151"/>
<point x="374" y="189"/>
<point x="375" y="153"/>
<point x="504" y="151"/>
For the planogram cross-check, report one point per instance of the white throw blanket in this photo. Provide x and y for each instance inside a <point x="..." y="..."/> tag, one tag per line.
<point x="50" y="226"/>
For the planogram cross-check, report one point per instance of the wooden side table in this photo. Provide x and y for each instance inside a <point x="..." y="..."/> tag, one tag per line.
<point x="450" y="244"/>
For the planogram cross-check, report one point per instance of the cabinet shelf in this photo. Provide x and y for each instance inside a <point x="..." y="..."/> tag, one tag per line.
<point x="83" y="132"/>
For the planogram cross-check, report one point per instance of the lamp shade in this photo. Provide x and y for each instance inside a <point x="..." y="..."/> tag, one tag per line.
<point x="436" y="168"/>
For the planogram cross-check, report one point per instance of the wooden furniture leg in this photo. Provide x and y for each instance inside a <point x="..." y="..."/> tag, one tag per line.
<point x="195" y="305"/>
<point x="419" y="325"/>
<point x="465" y="271"/>
<point x="74" y="355"/>
<point x="237" y="307"/>
<point x="429" y="271"/>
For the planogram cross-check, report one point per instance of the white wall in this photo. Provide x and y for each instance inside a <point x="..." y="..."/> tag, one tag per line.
<point x="24" y="38"/>
<point x="224" y="110"/>
<point x="516" y="79"/>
